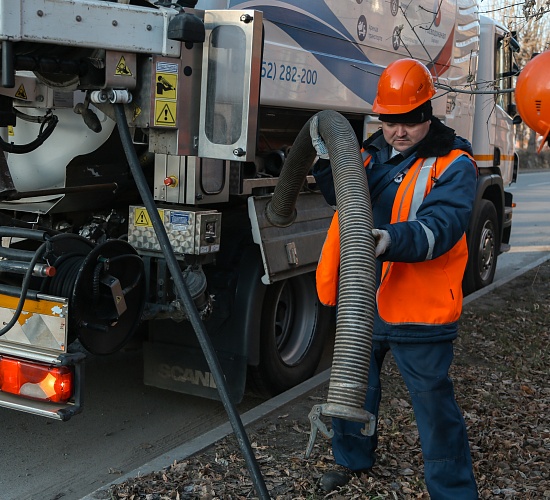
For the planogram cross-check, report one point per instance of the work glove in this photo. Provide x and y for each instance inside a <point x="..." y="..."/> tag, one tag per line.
<point x="382" y="240"/>
<point x="316" y="140"/>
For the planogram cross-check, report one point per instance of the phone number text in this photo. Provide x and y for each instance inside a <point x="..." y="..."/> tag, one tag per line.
<point x="287" y="73"/>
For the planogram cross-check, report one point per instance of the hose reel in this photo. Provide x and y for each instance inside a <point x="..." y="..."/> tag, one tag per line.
<point x="105" y="284"/>
<point x="106" y="290"/>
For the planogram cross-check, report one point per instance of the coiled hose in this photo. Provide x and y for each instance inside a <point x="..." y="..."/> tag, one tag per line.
<point x="357" y="282"/>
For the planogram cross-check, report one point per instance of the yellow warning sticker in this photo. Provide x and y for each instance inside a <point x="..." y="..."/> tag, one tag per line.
<point x="122" y="68"/>
<point x="137" y="112"/>
<point x="167" y="84"/>
<point x="10" y="130"/>
<point x="165" y="113"/>
<point x="21" y="92"/>
<point x="141" y="218"/>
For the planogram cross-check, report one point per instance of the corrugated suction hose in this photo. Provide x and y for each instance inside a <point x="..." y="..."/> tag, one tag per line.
<point x="357" y="284"/>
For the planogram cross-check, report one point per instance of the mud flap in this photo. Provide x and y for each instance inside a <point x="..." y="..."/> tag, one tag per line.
<point x="184" y="369"/>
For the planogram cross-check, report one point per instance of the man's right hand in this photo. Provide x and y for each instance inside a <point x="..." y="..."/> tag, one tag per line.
<point x="382" y="241"/>
<point x="316" y="139"/>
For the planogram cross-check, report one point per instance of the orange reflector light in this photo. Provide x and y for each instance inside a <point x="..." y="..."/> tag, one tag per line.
<point x="31" y="380"/>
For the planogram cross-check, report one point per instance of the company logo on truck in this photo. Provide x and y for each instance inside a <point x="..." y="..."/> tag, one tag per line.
<point x="186" y="375"/>
<point x="362" y="28"/>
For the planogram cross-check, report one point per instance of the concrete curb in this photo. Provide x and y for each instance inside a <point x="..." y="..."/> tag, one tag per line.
<point x="503" y="281"/>
<point x="208" y="439"/>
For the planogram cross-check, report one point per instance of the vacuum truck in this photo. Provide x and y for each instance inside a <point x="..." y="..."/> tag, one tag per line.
<point x="213" y="95"/>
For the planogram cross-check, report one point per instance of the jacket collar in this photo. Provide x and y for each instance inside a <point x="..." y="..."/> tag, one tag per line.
<point x="439" y="141"/>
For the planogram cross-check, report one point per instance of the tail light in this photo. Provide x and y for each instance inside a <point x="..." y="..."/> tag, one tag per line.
<point x="36" y="381"/>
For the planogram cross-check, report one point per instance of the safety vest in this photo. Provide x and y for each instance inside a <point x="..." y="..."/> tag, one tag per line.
<point x="428" y="292"/>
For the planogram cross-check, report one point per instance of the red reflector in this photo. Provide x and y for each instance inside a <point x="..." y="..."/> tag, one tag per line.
<point x="47" y="383"/>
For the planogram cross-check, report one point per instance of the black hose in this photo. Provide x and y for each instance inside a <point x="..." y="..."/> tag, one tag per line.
<point x="183" y="292"/>
<point x="62" y="284"/>
<point x="16" y="254"/>
<point x="23" y="233"/>
<point x="357" y="280"/>
<point x="43" y="134"/>
<point x="25" y="287"/>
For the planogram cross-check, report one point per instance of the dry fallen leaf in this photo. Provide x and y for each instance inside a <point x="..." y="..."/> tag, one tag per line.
<point x="501" y="383"/>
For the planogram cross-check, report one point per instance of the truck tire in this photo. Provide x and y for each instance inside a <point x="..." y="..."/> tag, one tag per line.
<point x="484" y="246"/>
<point x="294" y="327"/>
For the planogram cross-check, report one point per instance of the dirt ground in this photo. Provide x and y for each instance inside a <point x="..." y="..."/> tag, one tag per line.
<point x="501" y="375"/>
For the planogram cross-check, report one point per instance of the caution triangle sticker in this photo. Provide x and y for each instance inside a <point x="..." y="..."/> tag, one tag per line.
<point x="122" y="69"/>
<point x="21" y="93"/>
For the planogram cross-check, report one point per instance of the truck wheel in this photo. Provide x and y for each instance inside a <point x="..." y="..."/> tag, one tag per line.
<point x="484" y="249"/>
<point x="294" y="327"/>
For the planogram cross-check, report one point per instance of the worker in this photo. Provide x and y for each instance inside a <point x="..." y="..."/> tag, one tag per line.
<point x="422" y="180"/>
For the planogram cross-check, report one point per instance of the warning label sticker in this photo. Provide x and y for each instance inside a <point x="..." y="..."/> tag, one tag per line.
<point x="166" y="85"/>
<point x="122" y="68"/>
<point x="141" y="218"/>
<point x="21" y="92"/>
<point x="166" y="67"/>
<point x="137" y="112"/>
<point x="166" y="93"/>
<point x="165" y="113"/>
<point x="179" y="218"/>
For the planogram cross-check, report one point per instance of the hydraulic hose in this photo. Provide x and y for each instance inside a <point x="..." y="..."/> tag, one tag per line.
<point x="185" y="296"/>
<point x="23" y="233"/>
<point x="25" y="287"/>
<point x="357" y="282"/>
<point x="46" y="129"/>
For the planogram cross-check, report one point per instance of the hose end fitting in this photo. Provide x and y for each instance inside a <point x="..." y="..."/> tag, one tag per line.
<point x="338" y="411"/>
<point x="278" y="220"/>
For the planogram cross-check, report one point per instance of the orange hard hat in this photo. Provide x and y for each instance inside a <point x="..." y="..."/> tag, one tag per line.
<point x="403" y="86"/>
<point x="533" y="95"/>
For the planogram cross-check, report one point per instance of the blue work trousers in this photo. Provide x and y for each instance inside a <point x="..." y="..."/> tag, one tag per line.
<point x="425" y="370"/>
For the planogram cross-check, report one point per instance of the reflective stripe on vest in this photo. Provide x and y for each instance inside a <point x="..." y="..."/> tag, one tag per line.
<point x="419" y="192"/>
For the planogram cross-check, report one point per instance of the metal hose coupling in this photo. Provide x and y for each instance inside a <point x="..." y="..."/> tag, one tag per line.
<point x="357" y="277"/>
<point x="339" y="411"/>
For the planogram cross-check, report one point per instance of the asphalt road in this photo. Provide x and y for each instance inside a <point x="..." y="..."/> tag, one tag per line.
<point x="126" y="424"/>
<point x="530" y="238"/>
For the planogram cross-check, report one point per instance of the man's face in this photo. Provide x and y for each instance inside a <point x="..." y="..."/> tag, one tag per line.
<point x="403" y="136"/>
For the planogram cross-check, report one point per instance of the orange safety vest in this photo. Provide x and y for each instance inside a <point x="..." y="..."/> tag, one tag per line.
<point x="428" y="292"/>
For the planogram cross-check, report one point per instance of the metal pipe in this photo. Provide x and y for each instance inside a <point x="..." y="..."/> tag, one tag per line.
<point x="8" y="68"/>
<point x="111" y="186"/>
